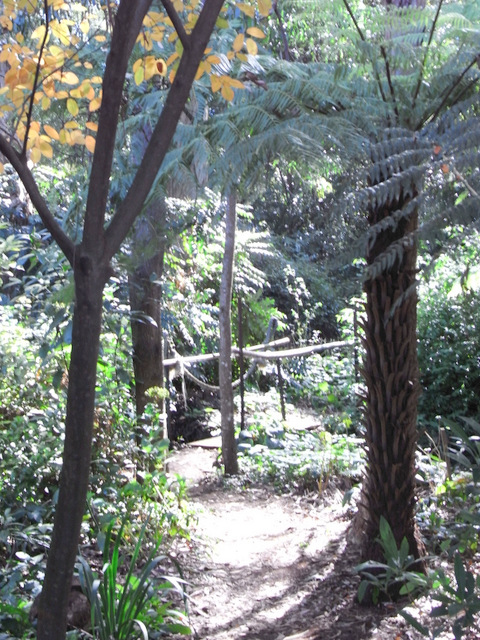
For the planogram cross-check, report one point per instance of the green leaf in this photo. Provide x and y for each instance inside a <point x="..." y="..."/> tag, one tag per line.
<point x="388" y="541"/>
<point x="414" y="623"/>
<point x="460" y="575"/>
<point x="362" y="589"/>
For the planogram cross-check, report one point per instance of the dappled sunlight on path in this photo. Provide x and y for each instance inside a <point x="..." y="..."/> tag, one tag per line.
<point x="265" y="566"/>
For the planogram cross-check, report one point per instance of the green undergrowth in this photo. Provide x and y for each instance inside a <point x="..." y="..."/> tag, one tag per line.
<point x="298" y="460"/>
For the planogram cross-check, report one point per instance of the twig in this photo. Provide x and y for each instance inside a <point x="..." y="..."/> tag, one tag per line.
<point x="177" y="23"/>
<point x="35" y="81"/>
<point x="422" y="68"/>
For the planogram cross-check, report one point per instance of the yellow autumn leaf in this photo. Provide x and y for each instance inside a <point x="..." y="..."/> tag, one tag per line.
<point x="71" y="124"/>
<point x="58" y="4"/>
<point x="227" y="92"/>
<point x="96" y="80"/>
<point x="6" y="23"/>
<point x="45" y="148"/>
<point x="238" y="84"/>
<point x="255" y="32"/>
<point x="100" y="38"/>
<point x="61" y="95"/>
<point x="202" y="68"/>
<point x="95" y="104"/>
<point x="63" y="136"/>
<point x="93" y="126"/>
<point x="213" y="59"/>
<point x="90" y="143"/>
<point x="238" y="42"/>
<point x="77" y="137"/>
<point x="157" y="34"/>
<point x="264" y="7"/>
<point x="137" y="64"/>
<point x="85" y="26"/>
<point x="251" y="47"/>
<point x="88" y="65"/>
<point x="50" y="131"/>
<point x="162" y="67"/>
<point x="215" y="83"/>
<point x="222" y="23"/>
<point x="247" y="9"/>
<point x="172" y="58"/>
<point x="35" y="155"/>
<point x="72" y="107"/>
<point x="2" y="167"/>
<point x="150" y="67"/>
<point x="39" y="33"/>
<point x="46" y="102"/>
<point x="61" y="31"/>
<point x="68" y="77"/>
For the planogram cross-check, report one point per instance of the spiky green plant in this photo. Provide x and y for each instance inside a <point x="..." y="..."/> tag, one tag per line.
<point x="119" y="602"/>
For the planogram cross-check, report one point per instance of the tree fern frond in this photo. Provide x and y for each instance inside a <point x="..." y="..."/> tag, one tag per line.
<point x="390" y="257"/>
<point x="403" y="184"/>
<point x="391" y="222"/>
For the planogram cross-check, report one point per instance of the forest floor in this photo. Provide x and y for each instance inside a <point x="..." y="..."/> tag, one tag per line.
<point x="266" y="566"/>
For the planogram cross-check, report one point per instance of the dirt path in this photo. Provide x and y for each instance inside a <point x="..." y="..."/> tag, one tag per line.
<point x="270" y="567"/>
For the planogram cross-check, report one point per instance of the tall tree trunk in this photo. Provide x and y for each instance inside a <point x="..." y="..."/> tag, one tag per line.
<point x="90" y="278"/>
<point x="145" y="302"/>
<point x="391" y="377"/>
<point x="229" y="448"/>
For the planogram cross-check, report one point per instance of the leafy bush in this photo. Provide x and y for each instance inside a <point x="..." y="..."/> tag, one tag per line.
<point x="123" y="602"/>
<point x="449" y="343"/>
<point x="459" y="602"/>
<point x="299" y="460"/>
<point x="397" y="575"/>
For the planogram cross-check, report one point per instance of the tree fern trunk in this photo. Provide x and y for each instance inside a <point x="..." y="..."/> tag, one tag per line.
<point x="391" y="377"/>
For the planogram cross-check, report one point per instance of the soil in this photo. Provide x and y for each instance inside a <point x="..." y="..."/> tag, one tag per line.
<point x="264" y="566"/>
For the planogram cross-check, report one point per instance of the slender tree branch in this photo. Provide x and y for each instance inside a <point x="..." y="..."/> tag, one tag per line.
<point x="177" y="23"/>
<point x="454" y="86"/>
<point x="362" y="37"/>
<point x="462" y="179"/>
<point x="128" y="22"/>
<point x="35" y="81"/>
<point x="164" y="130"/>
<point x="19" y="163"/>
<point x="354" y="20"/>
<point x="424" y="61"/>
<point x="389" y="80"/>
<point x="283" y="34"/>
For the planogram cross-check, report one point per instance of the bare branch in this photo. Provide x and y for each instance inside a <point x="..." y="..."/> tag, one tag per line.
<point x="455" y="85"/>
<point x="128" y="23"/>
<point x="362" y="37"/>
<point x="283" y="33"/>
<point x="177" y="23"/>
<point x="164" y="130"/>
<point x="422" y="68"/>
<point x="35" y="81"/>
<point x="19" y="163"/>
<point x="389" y="79"/>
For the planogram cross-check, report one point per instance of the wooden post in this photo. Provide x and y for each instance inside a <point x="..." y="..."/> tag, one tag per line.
<point x="242" y="364"/>
<point x="280" y="390"/>
<point x="166" y="378"/>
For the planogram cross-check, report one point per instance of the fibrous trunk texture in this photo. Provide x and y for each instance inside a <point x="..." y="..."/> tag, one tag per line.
<point x="391" y="377"/>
